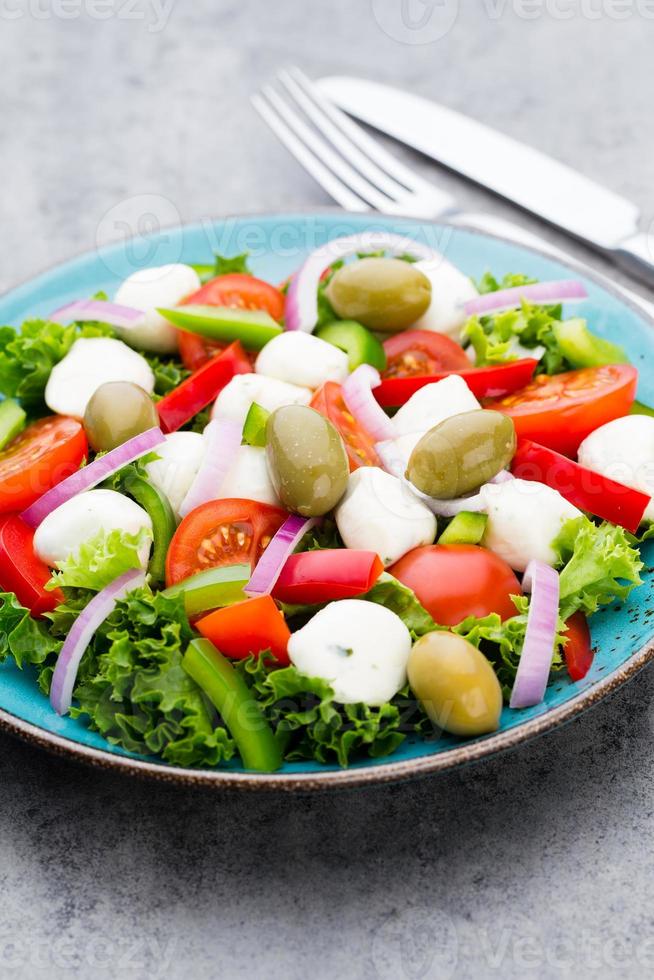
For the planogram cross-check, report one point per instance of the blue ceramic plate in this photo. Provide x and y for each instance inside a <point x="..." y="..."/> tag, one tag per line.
<point x="621" y="634"/>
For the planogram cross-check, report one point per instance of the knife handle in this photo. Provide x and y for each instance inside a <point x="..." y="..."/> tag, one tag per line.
<point x="636" y="256"/>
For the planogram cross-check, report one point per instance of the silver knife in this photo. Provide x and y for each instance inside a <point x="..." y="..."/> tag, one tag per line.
<point x="527" y="177"/>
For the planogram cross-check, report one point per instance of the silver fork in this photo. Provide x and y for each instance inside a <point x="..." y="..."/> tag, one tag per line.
<point x="360" y="175"/>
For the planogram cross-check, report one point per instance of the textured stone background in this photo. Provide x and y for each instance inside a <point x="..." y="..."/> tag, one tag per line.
<point x="536" y="864"/>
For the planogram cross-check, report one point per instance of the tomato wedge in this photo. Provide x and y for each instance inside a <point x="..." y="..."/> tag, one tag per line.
<point x="577" y="651"/>
<point x="560" y="411"/>
<point x="221" y="532"/>
<point x="359" y="444"/>
<point x="248" y="627"/>
<point x="485" y="382"/>
<point x="20" y="569"/>
<point x="182" y="403"/>
<point x="417" y="352"/>
<point x="589" y="491"/>
<point x="235" y="289"/>
<point x="44" y="453"/>
<point x="323" y="576"/>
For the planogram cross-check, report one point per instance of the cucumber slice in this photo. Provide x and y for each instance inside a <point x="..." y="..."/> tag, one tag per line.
<point x="465" y="528"/>
<point x="585" y="349"/>
<point x="254" y="429"/>
<point x="12" y="421"/>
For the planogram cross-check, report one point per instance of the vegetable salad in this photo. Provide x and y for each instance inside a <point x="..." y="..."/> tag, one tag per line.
<point x="257" y="522"/>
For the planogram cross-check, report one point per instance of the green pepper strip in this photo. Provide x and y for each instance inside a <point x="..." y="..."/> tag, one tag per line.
<point x="254" y="429"/>
<point x="359" y="344"/>
<point x="163" y="520"/>
<point x="582" y="348"/>
<point x="639" y="409"/>
<point x="238" y="708"/>
<point x="464" y="528"/>
<point x="12" y="421"/>
<point x="254" y="328"/>
<point x="212" y="589"/>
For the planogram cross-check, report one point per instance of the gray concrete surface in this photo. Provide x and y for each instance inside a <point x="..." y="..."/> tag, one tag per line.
<point x="538" y="863"/>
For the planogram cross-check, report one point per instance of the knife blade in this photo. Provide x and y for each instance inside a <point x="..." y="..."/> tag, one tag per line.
<point x="549" y="189"/>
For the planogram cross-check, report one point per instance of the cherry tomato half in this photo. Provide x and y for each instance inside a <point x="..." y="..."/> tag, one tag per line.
<point x="359" y="444"/>
<point x="44" y="453"/>
<point x="416" y="352"/>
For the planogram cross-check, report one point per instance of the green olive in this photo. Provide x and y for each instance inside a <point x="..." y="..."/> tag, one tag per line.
<point x="117" y="411"/>
<point x="382" y="294"/>
<point x="461" y="453"/>
<point x="306" y="459"/>
<point x="455" y="684"/>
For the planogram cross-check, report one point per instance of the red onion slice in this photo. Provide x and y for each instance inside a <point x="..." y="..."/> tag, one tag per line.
<point x="536" y="657"/>
<point x="97" y="309"/>
<point x="89" y="476"/>
<point x="81" y="634"/>
<point x="357" y="393"/>
<point x="269" y="567"/>
<point x="222" y="442"/>
<point x="301" y="311"/>
<point x="544" y="293"/>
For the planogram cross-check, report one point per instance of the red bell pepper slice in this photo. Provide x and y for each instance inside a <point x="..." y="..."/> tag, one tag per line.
<point x="485" y="382"/>
<point x="180" y="405"/>
<point x="323" y="576"/>
<point x="587" y="490"/>
<point x="20" y="569"/>
<point x="248" y="627"/>
<point x="577" y="651"/>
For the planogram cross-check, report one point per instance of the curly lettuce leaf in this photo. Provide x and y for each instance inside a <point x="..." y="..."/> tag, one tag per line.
<point x="512" y="334"/>
<point x="27" y="640"/>
<point x="168" y="374"/>
<point x="222" y="265"/>
<point x="401" y="600"/>
<point x="100" y="560"/>
<point x="489" y="284"/>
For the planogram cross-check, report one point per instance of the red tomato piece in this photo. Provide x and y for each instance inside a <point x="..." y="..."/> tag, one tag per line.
<point x="485" y="382"/>
<point x="359" y="444"/>
<point x="182" y="403"/>
<point x="248" y="627"/>
<point x="413" y="353"/>
<point x="327" y="575"/>
<point x="41" y="456"/>
<point x="21" y="571"/>
<point x="577" y="651"/>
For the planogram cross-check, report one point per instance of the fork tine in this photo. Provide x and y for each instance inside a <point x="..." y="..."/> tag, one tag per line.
<point x="350" y="177"/>
<point x="331" y="184"/>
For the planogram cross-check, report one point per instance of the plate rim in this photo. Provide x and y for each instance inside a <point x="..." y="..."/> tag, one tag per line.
<point x="388" y="772"/>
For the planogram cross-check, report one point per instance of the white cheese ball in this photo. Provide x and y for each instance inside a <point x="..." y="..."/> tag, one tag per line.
<point x="302" y="359"/>
<point x="379" y="513"/>
<point x="624" y="451"/>
<point x="91" y="362"/>
<point x="450" y="289"/>
<point x="236" y="398"/>
<point x="181" y="456"/>
<point x="248" y="477"/>
<point x="359" y="647"/>
<point x="524" y="518"/>
<point x="433" y="404"/>
<point x="147" y="289"/>
<point x="82" y="517"/>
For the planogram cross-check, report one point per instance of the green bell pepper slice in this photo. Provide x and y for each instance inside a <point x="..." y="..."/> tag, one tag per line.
<point x="464" y="528"/>
<point x="12" y="421"/>
<point x="582" y="348"/>
<point x="254" y="428"/>
<point x="254" y="328"/>
<point x="639" y="409"/>
<point x="236" y="704"/>
<point x="164" y="523"/>
<point x="212" y="589"/>
<point x="361" y="346"/>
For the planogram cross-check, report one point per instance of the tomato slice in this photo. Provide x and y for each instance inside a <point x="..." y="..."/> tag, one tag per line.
<point x="359" y="444"/>
<point x="20" y="569"/>
<point x="577" y="651"/>
<point x="323" y="576"/>
<point x="235" y="289"/>
<point x="248" y="627"/>
<point x="232" y="531"/>
<point x="44" y="453"/>
<point x="182" y="403"/>
<point x="418" y="352"/>
<point x="561" y="410"/>
<point x="589" y="491"/>
<point x="485" y="382"/>
<point x="454" y="581"/>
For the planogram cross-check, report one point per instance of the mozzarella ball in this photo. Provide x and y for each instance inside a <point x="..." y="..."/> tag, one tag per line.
<point x="248" y="477"/>
<point x="236" y="398"/>
<point x="524" y="518"/>
<point x="82" y="517"/>
<point x="379" y="513"/>
<point x="181" y="456"/>
<point x="624" y="451"/>
<point x="302" y="359"/>
<point x="91" y="362"/>
<point x="450" y="290"/>
<point x="359" y="647"/>
<point x="147" y="289"/>
<point x="433" y="404"/>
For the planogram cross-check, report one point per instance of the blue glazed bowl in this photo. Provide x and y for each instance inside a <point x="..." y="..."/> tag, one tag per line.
<point x="278" y="243"/>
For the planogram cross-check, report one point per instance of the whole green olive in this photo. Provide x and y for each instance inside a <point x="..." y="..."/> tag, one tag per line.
<point x="461" y="453"/>
<point x="306" y="459"/>
<point x="383" y="294"/>
<point x="117" y="411"/>
<point x="455" y="684"/>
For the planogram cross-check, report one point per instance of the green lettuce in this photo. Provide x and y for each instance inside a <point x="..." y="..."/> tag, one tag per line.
<point x="100" y="560"/>
<point x="168" y="374"/>
<point x="27" y="640"/>
<point x="506" y="336"/>
<point x="222" y="265"/>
